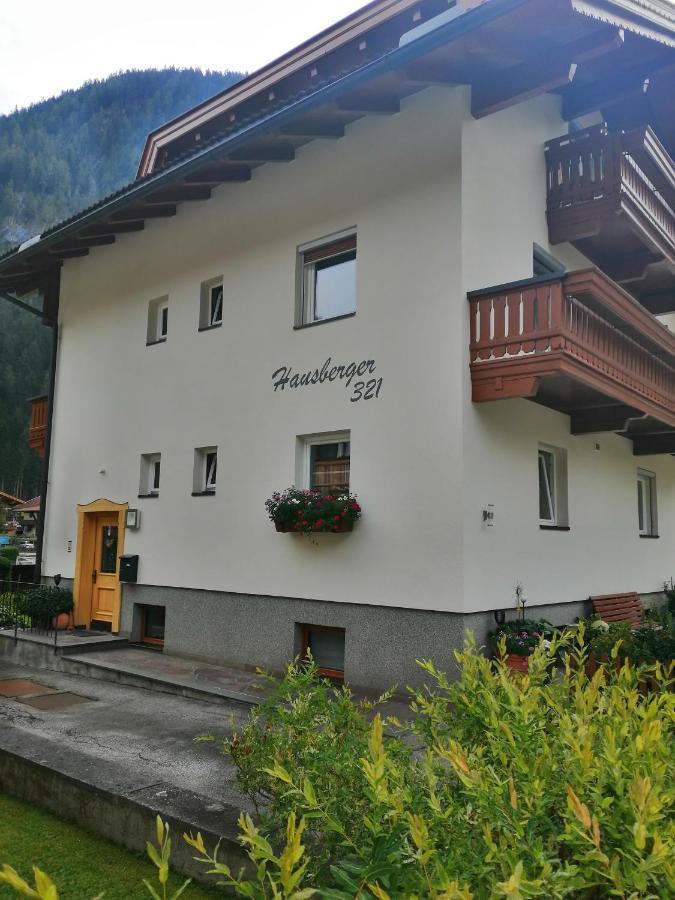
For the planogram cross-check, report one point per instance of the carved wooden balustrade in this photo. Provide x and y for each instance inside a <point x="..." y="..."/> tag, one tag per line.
<point x="572" y="342"/>
<point x="37" y="431"/>
<point x="613" y="196"/>
<point x="597" y="167"/>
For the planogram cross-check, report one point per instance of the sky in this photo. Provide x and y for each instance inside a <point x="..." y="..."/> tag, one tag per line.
<point x="48" y="46"/>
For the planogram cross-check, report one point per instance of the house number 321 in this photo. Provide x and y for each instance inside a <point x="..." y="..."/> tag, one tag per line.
<point x="366" y="390"/>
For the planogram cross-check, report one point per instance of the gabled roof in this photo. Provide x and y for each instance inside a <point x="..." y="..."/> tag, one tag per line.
<point x="9" y="499"/>
<point x="30" y="506"/>
<point x="505" y="50"/>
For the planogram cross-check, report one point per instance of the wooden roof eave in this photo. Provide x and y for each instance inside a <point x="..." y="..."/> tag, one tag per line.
<point x="167" y="187"/>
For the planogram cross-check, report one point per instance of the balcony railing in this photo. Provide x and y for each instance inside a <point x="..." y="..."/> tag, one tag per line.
<point x="37" y="431"/>
<point x="573" y="342"/>
<point x="613" y="195"/>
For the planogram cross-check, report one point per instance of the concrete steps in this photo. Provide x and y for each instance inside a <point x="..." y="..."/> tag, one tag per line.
<point x="39" y="650"/>
<point x="152" y="671"/>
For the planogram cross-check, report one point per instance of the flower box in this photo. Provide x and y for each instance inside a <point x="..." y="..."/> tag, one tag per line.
<point x="311" y="512"/>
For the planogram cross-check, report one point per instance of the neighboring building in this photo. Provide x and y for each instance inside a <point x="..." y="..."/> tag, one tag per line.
<point x="310" y="324"/>
<point x="27" y="515"/>
<point x="8" y="503"/>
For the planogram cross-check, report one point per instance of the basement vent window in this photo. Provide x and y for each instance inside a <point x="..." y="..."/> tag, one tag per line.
<point x="158" y="320"/>
<point x="326" y="280"/>
<point x="327" y="648"/>
<point x="211" y="304"/>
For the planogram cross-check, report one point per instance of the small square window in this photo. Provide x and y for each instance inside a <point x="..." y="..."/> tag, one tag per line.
<point x="552" y="462"/>
<point x="150" y="474"/>
<point x="158" y="320"/>
<point x="646" y="497"/>
<point x="328" y="280"/>
<point x="211" y="303"/>
<point x="205" y="470"/>
<point x="325" y="461"/>
<point x="327" y="648"/>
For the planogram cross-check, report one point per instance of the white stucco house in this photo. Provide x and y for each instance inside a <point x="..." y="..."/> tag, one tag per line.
<point x="427" y="257"/>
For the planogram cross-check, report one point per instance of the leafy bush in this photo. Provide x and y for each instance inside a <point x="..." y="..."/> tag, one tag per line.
<point x="652" y="642"/>
<point x="8" y="556"/>
<point x="308" y="512"/>
<point x="43" y="603"/>
<point x="528" y="787"/>
<point x="521" y="636"/>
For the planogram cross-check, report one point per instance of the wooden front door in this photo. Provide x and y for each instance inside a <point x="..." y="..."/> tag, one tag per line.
<point x="100" y="543"/>
<point x="105" y="571"/>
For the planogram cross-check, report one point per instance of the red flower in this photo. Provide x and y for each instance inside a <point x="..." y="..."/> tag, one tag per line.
<point x="319" y="523"/>
<point x="336" y="518"/>
<point x="356" y="507"/>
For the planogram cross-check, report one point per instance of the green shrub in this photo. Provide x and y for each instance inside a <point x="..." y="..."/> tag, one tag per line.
<point x="652" y="642"/>
<point x="8" y="556"/>
<point x="524" y="787"/>
<point x="45" y="602"/>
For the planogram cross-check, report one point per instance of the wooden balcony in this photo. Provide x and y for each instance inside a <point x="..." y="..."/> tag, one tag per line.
<point x="612" y="195"/>
<point x="37" y="431"/>
<point x="581" y="345"/>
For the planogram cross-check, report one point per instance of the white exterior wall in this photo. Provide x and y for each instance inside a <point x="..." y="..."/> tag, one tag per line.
<point x="504" y="212"/>
<point x="443" y="204"/>
<point x="397" y="180"/>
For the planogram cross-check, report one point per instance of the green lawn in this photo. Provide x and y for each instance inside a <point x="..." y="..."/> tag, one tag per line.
<point x="81" y="864"/>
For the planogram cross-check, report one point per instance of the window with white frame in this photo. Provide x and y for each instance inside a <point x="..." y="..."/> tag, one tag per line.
<point x="646" y="497"/>
<point x="158" y="320"/>
<point x="211" y="303"/>
<point x="327" y="279"/>
<point x="324" y="462"/>
<point x="552" y="463"/>
<point x="205" y="470"/>
<point x="150" y="474"/>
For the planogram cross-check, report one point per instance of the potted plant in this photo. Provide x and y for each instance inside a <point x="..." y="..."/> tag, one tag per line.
<point x="515" y="641"/>
<point x="297" y="511"/>
<point x="48" y="606"/>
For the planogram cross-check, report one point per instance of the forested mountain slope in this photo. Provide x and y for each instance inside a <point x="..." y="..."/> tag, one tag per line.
<point x="57" y="157"/>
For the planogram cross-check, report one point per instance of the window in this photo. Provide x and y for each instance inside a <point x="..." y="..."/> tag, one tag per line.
<point x="150" y="474"/>
<point x="153" y="624"/>
<point x="205" y="471"/>
<point x="552" y="463"/>
<point x="327" y="647"/>
<point x="158" y="320"/>
<point x="328" y="280"/>
<point x="324" y="462"/>
<point x="211" y="304"/>
<point x="646" y="496"/>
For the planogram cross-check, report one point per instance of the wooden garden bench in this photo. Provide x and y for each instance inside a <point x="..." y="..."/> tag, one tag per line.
<point x="619" y="608"/>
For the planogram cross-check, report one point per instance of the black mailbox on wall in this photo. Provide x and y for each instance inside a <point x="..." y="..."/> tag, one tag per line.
<point x="129" y="568"/>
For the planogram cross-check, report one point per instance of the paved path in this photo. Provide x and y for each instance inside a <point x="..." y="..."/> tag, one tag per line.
<point x="119" y="729"/>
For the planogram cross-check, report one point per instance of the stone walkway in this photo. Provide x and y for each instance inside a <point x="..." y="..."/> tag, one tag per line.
<point x="119" y="733"/>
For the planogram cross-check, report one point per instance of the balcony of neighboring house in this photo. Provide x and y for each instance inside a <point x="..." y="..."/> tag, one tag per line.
<point x="37" y="430"/>
<point x="577" y="343"/>
<point x="612" y="195"/>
